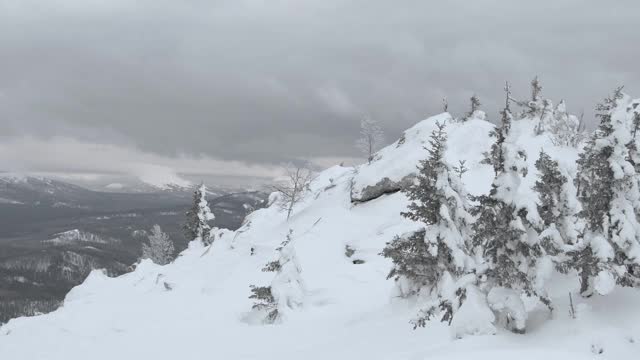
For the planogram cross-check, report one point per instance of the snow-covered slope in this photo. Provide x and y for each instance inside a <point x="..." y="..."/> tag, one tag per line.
<point x="394" y="165"/>
<point x="18" y="189"/>
<point x="196" y="308"/>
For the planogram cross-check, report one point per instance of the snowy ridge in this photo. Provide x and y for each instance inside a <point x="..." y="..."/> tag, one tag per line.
<point x="199" y="304"/>
<point x="78" y="236"/>
<point x="398" y="160"/>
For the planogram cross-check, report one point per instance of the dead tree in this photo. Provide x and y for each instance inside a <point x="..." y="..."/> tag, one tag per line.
<point x="291" y="190"/>
<point x="371" y="139"/>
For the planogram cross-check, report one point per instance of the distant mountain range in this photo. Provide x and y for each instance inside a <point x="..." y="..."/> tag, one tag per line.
<point x="41" y="191"/>
<point x="53" y="233"/>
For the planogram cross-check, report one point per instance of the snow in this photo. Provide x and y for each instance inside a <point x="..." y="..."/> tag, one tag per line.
<point x="604" y="283"/>
<point x="508" y="301"/>
<point x="10" y="201"/>
<point x="400" y="159"/>
<point x="115" y="186"/>
<point x="75" y="236"/>
<point x="160" y="177"/>
<point x="9" y="177"/>
<point x="194" y="308"/>
<point x="474" y="316"/>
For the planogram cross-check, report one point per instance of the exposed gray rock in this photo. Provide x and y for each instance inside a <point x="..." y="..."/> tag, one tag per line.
<point x="384" y="186"/>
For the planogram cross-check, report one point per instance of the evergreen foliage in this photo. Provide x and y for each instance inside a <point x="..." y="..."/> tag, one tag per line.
<point x="566" y="129"/>
<point x="499" y="232"/>
<point x="198" y="216"/>
<point x="461" y="169"/>
<point x="160" y="248"/>
<point x="607" y="184"/>
<point x="421" y="259"/>
<point x="555" y="206"/>
<point x="475" y="105"/>
<point x="287" y="288"/>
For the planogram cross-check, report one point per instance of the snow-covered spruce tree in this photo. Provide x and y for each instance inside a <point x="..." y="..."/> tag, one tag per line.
<point x="565" y="128"/>
<point x="160" y="248"/>
<point x="475" y="105"/>
<point x="198" y="216"/>
<point x="499" y="233"/>
<point x="371" y="138"/>
<point x="535" y="106"/>
<point x="557" y="208"/>
<point x="430" y="260"/>
<point x="634" y="155"/>
<point x="287" y="288"/>
<point x="607" y="184"/>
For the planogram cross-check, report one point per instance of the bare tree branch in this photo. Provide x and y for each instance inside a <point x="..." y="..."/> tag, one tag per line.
<point x="371" y="138"/>
<point x="293" y="188"/>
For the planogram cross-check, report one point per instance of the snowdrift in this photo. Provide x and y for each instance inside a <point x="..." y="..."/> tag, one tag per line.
<point x="197" y="307"/>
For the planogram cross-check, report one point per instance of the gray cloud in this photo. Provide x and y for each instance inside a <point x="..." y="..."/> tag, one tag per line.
<point x="261" y="82"/>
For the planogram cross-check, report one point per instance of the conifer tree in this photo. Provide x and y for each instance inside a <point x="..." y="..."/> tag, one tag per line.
<point x="160" y="248"/>
<point x="461" y="169"/>
<point x="475" y="105"/>
<point x="499" y="231"/>
<point x="565" y="128"/>
<point x="607" y="182"/>
<point x="634" y="155"/>
<point x="556" y="208"/>
<point x="198" y="217"/>
<point x="533" y="106"/>
<point x="287" y="288"/>
<point x="422" y="259"/>
<point x="536" y="89"/>
<point x="537" y="108"/>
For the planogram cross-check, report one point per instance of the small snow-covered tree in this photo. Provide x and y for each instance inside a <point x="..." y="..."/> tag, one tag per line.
<point x="634" y="154"/>
<point x="475" y="105"/>
<point x="607" y="183"/>
<point x="371" y="138"/>
<point x="636" y="121"/>
<point x="295" y="185"/>
<point x="160" y="248"/>
<point x="461" y="169"/>
<point x="499" y="233"/>
<point x="556" y="207"/>
<point x="535" y="106"/>
<point x="287" y="289"/>
<point x="433" y="258"/>
<point x="536" y="89"/>
<point x="565" y="128"/>
<point x="438" y="201"/>
<point x="198" y="217"/>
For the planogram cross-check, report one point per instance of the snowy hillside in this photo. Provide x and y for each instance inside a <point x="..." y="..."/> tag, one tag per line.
<point x="198" y="306"/>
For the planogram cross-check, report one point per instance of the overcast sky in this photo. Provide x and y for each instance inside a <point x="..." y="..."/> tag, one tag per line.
<point x="236" y="87"/>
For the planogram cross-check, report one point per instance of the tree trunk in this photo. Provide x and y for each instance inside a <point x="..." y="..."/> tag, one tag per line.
<point x="585" y="286"/>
